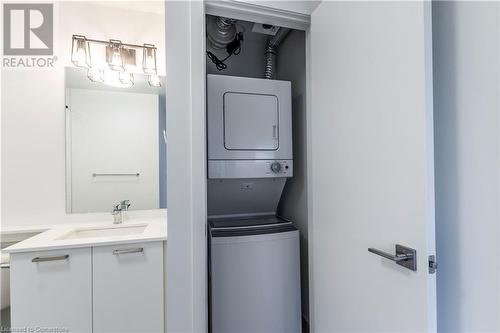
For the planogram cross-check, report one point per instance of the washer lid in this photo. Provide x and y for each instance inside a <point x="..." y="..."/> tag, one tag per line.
<point x="252" y="231"/>
<point x="247" y="222"/>
<point x="250" y="227"/>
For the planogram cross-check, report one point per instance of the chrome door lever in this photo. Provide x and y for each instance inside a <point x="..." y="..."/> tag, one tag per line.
<point x="396" y="258"/>
<point x="405" y="256"/>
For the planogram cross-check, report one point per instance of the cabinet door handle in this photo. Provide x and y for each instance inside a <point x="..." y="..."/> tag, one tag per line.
<point x="52" y="258"/>
<point x="125" y="251"/>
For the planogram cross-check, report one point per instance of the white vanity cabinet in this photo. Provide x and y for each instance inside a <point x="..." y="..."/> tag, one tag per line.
<point x="52" y="289"/>
<point x="109" y="288"/>
<point x="128" y="285"/>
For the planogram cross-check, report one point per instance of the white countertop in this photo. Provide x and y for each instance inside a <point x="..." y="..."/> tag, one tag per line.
<point x="54" y="238"/>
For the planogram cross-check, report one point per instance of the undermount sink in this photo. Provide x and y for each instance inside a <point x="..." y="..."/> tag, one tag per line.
<point x="105" y="232"/>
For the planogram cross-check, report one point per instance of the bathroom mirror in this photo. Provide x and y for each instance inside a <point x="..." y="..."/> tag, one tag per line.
<point x="115" y="143"/>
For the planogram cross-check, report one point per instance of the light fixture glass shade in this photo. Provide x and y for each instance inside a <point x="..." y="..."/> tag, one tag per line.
<point x="129" y="58"/>
<point x="126" y="78"/>
<point x="80" y="51"/>
<point x="154" y="80"/>
<point x="149" y="59"/>
<point x="114" y="56"/>
<point x="95" y="74"/>
<point x="112" y="78"/>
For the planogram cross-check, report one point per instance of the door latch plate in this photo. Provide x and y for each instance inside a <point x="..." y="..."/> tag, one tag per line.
<point x="411" y="262"/>
<point x="432" y="264"/>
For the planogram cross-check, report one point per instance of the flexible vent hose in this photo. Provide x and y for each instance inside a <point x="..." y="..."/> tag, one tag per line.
<point x="271" y="52"/>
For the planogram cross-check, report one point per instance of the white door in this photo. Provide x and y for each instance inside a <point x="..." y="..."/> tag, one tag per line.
<point x="371" y="166"/>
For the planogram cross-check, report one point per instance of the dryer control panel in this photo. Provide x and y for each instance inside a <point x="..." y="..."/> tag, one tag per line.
<point x="279" y="167"/>
<point x="249" y="168"/>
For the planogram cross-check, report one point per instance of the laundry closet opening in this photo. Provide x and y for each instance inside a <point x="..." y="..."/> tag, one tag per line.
<point x="257" y="177"/>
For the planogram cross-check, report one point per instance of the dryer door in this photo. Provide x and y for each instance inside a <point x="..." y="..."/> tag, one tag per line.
<point x="250" y="121"/>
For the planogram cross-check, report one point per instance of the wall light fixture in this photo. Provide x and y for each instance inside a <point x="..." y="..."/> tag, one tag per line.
<point x="120" y="57"/>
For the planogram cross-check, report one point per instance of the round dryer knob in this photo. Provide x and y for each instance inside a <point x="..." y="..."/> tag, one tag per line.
<point x="276" y="167"/>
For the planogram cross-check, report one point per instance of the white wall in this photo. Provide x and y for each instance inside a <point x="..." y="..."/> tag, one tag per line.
<point x="302" y="7"/>
<point x="291" y="66"/>
<point x="33" y="124"/>
<point x="467" y="140"/>
<point x="131" y="22"/>
<point x="186" y="167"/>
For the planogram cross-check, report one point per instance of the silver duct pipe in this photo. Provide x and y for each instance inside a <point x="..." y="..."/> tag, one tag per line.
<point x="220" y="31"/>
<point x="271" y="51"/>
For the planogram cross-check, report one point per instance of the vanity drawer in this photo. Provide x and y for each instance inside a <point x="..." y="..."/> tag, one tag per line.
<point x="128" y="288"/>
<point x="52" y="289"/>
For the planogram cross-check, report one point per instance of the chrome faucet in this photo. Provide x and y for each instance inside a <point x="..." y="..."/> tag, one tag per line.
<point x="125" y="204"/>
<point x="118" y="209"/>
<point x="117" y="214"/>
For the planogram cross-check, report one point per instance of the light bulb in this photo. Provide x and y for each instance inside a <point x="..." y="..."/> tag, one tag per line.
<point x="154" y="80"/>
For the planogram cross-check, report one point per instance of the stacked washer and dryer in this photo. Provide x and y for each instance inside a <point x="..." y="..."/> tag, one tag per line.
<point x="254" y="256"/>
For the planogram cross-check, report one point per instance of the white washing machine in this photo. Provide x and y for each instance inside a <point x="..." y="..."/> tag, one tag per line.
<point x="255" y="276"/>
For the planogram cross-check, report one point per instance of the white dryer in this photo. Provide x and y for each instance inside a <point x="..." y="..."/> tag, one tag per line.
<point x="249" y="134"/>
<point x="249" y="125"/>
